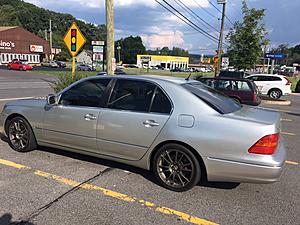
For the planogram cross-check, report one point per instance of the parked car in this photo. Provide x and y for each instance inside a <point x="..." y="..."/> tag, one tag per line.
<point x="177" y="69"/>
<point x="132" y="66"/>
<point x="243" y="91"/>
<point x="51" y="64"/>
<point x="17" y="64"/>
<point x="85" y="67"/>
<point x="179" y="128"/>
<point x="61" y="64"/>
<point x="274" y="86"/>
<point x="117" y="72"/>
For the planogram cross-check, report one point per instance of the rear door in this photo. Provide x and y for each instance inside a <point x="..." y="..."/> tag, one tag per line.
<point x="136" y="113"/>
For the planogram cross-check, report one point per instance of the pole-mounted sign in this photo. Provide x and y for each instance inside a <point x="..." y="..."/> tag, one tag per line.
<point x="74" y="40"/>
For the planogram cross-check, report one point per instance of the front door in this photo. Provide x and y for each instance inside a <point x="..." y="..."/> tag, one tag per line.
<point x="136" y="113"/>
<point x="73" y="122"/>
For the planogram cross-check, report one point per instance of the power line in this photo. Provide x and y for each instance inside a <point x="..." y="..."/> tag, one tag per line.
<point x="204" y="9"/>
<point x="181" y="4"/>
<point x="220" y="12"/>
<point x="187" y="21"/>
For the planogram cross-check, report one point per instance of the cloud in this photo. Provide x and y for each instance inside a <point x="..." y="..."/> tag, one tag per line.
<point x="117" y="3"/>
<point x="166" y="39"/>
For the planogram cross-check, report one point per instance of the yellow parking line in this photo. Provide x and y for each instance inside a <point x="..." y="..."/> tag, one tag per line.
<point x="291" y="163"/>
<point x="286" y="133"/>
<point x="113" y="194"/>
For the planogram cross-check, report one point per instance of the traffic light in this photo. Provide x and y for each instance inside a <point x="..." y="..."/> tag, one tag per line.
<point x="73" y="39"/>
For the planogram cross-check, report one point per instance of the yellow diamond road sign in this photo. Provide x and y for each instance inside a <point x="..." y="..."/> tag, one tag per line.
<point x="74" y="40"/>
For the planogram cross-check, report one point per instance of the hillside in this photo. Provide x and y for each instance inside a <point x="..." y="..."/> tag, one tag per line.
<point x="36" y="20"/>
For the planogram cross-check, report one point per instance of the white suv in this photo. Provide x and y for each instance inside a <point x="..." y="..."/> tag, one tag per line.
<point x="273" y="85"/>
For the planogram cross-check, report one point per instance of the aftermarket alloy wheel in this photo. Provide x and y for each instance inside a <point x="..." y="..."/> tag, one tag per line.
<point x="20" y="135"/>
<point x="176" y="167"/>
<point x="275" y="94"/>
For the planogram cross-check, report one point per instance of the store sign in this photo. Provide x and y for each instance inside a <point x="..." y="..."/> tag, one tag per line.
<point x="7" y="45"/>
<point x="102" y="43"/>
<point x="145" y="58"/>
<point x="37" y="48"/>
<point x="98" y="49"/>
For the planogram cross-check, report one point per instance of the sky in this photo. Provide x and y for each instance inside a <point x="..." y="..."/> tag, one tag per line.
<point x="159" y="28"/>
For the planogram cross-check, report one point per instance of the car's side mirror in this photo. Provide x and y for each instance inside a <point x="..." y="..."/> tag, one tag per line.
<point x="51" y="99"/>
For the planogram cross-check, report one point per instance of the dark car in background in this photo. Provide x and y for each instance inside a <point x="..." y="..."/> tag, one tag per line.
<point x="85" y="67"/>
<point x="61" y="64"/>
<point x="233" y="74"/>
<point x="242" y="90"/>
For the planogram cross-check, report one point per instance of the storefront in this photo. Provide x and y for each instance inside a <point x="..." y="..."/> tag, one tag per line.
<point x="18" y="43"/>
<point x="167" y="62"/>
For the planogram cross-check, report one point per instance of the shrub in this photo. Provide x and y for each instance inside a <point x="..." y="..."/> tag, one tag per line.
<point x="65" y="80"/>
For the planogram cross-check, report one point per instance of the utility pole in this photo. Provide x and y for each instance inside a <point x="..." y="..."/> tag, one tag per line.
<point x="46" y="35"/>
<point x="220" y="45"/>
<point x="50" y="36"/>
<point x="110" y="38"/>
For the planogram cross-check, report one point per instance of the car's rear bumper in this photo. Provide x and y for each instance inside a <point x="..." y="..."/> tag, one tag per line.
<point x="232" y="171"/>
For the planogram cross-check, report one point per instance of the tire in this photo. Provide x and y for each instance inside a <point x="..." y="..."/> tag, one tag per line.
<point x="237" y="100"/>
<point x="176" y="168"/>
<point x="20" y="135"/>
<point x="275" y="93"/>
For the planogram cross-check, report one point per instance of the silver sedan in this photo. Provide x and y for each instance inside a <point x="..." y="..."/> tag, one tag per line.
<point x="179" y="128"/>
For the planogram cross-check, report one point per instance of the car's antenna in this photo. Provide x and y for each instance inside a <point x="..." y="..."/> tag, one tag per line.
<point x="188" y="78"/>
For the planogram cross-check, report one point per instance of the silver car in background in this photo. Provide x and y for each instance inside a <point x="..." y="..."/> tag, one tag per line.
<point x="179" y="128"/>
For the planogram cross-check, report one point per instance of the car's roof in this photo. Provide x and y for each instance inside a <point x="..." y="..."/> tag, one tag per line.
<point x="269" y="75"/>
<point x="225" y="78"/>
<point x="176" y="80"/>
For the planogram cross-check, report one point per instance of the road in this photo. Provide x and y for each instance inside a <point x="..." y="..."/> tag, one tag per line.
<point x="51" y="186"/>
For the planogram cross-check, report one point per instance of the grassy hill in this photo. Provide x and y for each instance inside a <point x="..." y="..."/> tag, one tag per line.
<point x="36" y="20"/>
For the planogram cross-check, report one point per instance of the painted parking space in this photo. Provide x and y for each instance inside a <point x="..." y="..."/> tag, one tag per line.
<point x="113" y="194"/>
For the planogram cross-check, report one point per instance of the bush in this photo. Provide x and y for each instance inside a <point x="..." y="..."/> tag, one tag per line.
<point x="65" y="80"/>
<point x="297" y="89"/>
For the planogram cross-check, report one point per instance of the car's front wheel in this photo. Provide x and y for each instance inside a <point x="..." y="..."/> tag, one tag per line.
<point x="20" y="135"/>
<point x="176" y="167"/>
<point x="275" y="93"/>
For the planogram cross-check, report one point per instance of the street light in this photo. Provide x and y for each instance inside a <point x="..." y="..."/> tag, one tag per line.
<point x="119" y="51"/>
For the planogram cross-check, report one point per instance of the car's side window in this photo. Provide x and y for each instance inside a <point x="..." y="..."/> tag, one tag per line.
<point x="132" y="95"/>
<point x="254" y="78"/>
<point x="161" y="103"/>
<point x="240" y="85"/>
<point x="88" y="93"/>
<point x="224" y="85"/>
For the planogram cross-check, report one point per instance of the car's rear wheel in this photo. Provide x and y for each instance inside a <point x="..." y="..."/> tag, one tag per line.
<point x="176" y="167"/>
<point x="20" y="135"/>
<point x="275" y="94"/>
<point x="237" y="100"/>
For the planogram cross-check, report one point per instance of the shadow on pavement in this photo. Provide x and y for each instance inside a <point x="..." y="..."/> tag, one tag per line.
<point x="293" y="114"/>
<point x="6" y="219"/>
<point x="144" y="173"/>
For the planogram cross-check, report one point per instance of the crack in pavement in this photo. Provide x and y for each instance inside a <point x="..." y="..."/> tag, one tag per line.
<point x="48" y="205"/>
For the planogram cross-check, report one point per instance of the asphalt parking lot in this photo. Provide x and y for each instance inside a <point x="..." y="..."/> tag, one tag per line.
<point x="51" y="186"/>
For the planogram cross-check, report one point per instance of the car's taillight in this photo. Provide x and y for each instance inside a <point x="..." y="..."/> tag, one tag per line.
<point x="288" y="82"/>
<point x="266" y="145"/>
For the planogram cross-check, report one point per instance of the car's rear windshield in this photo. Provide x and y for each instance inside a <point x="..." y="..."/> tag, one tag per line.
<point x="218" y="101"/>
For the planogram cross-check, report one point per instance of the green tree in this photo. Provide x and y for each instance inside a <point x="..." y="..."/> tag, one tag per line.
<point x="130" y="48"/>
<point x="8" y="16"/>
<point x="247" y="39"/>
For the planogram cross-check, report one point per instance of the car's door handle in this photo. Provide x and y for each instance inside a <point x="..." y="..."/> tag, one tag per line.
<point x="90" y="117"/>
<point x="150" y="123"/>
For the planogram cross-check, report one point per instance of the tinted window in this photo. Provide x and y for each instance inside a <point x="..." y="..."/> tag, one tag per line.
<point x="88" y="93"/>
<point x="218" y="101"/>
<point x="254" y="78"/>
<point x="161" y="103"/>
<point x="132" y="95"/>
<point x="224" y="85"/>
<point x="208" y="82"/>
<point x="268" y="78"/>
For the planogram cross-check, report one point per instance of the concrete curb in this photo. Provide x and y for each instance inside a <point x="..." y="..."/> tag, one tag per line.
<point x="283" y="103"/>
<point x="295" y="94"/>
